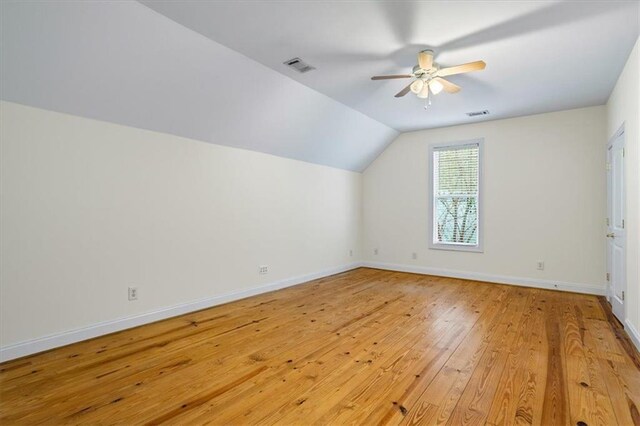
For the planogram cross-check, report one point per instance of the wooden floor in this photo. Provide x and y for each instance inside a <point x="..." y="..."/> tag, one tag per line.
<point x="364" y="347"/>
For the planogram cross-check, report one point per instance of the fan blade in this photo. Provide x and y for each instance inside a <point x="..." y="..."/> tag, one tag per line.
<point x="389" y="77"/>
<point x="404" y="91"/>
<point x="448" y="86"/>
<point x="425" y="59"/>
<point x="459" y="69"/>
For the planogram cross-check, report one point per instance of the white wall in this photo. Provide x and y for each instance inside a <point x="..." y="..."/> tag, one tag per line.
<point x="90" y="208"/>
<point x="623" y="107"/>
<point x="544" y="199"/>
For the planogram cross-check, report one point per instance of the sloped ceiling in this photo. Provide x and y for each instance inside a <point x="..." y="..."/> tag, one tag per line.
<point x="541" y="56"/>
<point x="212" y="70"/>
<point x="125" y="63"/>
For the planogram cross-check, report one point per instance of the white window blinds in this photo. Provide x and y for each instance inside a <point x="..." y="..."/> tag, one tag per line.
<point x="456" y="182"/>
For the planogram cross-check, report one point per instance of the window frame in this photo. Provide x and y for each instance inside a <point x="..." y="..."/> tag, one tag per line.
<point x="479" y="247"/>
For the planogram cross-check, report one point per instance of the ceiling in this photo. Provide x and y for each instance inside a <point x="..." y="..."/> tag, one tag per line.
<point x="124" y="63"/>
<point x="212" y="70"/>
<point x="541" y="56"/>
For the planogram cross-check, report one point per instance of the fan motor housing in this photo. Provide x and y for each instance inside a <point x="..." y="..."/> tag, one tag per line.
<point x="418" y="72"/>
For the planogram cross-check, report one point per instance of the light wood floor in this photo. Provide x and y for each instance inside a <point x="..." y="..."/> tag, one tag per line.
<point x="365" y="347"/>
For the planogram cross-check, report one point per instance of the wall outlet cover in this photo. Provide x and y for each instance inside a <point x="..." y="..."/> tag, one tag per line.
<point x="133" y="293"/>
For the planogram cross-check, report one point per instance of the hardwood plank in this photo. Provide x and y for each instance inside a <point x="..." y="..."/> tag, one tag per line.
<point x="510" y="401"/>
<point x="362" y="347"/>
<point x="589" y="400"/>
<point x="446" y="386"/>
<point x="623" y="386"/>
<point x="359" y="352"/>
<point x="477" y="398"/>
<point x="619" y="333"/>
<point x="554" y="408"/>
<point x="402" y="369"/>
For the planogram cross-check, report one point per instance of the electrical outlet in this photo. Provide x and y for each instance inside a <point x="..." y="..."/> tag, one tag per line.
<point x="133" y="293"/>
<point x="350" y="253"/>
<point x="540" y="265"/>
<point x="263" y="269"/>
<point x="375" y="251"/>
<point x="414" y="255"/>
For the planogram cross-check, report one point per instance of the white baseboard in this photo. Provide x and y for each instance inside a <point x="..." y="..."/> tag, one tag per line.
<point x="29" y="347"/>
<point x="633" y="333"/>
<point x="501" y="279"/>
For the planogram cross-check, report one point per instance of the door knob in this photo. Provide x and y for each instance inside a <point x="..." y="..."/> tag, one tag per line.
<point x="611" y="235"/>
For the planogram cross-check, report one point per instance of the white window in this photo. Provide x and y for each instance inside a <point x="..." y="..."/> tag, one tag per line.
<point x="456" y="182"/>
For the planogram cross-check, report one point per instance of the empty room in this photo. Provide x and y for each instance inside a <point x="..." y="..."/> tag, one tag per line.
<point x="319" y="212"/>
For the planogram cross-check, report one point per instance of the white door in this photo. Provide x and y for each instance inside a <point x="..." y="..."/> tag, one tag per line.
<point x="615" y="225"/>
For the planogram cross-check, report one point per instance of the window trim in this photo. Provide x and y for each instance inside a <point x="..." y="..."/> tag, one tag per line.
<point x="478" y="248"/>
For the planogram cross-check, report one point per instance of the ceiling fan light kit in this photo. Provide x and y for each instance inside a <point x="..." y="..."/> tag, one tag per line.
<point x="424" y="93"/>
<point x="428" y="76"/>
<point x="416" y="86"/>
<point x="435" y="86"/>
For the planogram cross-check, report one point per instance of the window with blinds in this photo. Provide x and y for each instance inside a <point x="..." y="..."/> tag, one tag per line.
<point x="455" y="195"/>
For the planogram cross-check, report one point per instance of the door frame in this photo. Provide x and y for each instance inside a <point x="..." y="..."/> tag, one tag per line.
<point x="618" y="133"/>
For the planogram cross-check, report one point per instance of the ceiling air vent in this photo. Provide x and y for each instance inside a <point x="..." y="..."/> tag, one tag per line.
<point x="477" y="113"/>
<point x="298" y="65"/>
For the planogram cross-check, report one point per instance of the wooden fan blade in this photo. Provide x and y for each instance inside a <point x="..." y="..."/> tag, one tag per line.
<point x="448" y="86"/>
<point x="425" y="59"/>
<point x="389" y="77"/>
<point x="404" y="91"/>
<point x="459" y="69"/>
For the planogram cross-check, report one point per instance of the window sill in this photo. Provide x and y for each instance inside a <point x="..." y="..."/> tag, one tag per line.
<point x="454" y="247"/>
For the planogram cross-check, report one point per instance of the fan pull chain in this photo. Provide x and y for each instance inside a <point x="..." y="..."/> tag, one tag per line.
<point x="427" y="101"/>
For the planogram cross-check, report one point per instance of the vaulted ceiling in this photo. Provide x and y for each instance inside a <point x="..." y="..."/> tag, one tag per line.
<point x="541" y="55"/>
<point x="213" y="71"/>
<point x="124" y="63"/>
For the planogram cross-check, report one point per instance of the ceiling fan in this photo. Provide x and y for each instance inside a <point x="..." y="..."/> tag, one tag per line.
<point x="428" y="76"/>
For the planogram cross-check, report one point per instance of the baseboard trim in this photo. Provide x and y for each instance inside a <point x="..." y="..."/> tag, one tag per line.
<point x="44" y="343"/>
<point x="500" y="279"/>
<point x="633" y="334"/>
